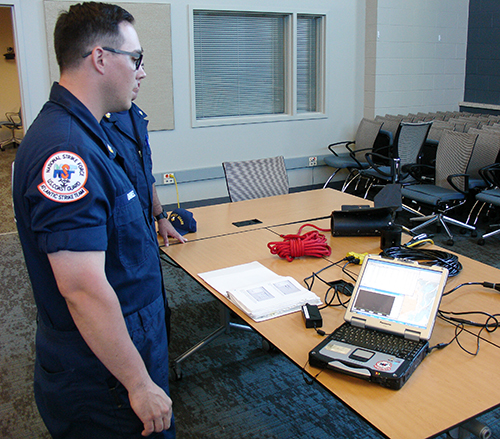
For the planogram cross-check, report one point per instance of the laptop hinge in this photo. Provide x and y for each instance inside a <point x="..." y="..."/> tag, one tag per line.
<point x="356" y="321"/>
<point x="412" y="335"/>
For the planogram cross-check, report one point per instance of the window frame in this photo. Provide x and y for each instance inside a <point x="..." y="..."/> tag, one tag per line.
<point x="290" y="86"/>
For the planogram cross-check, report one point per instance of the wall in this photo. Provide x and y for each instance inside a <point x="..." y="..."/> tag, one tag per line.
<point x="202" y="150"/>
<point x="417" y="52"/>
<point x="10" y="99"/>
<point x="408" y="70"/>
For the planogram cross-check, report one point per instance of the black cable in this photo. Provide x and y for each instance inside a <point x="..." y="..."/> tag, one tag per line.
<point x="168" y="261"/>
<point x="315" y="274"/>
<point x="338" y="287"/>
<point x="425" y="257"/>
<point x="490" y="325"/>
<point x="310" y="381"/>
<point x="443" y="345"/>
<point x="483" y="284"/>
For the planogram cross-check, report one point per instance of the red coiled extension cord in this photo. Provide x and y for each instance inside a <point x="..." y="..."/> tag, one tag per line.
<point x="311" y="243"/>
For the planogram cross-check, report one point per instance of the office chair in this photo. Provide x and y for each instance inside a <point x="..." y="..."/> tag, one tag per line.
<point x="486" y="152"/>
<point x="257" y="178"/>
<point x="353" y="159"/>
<point x="390" y="125"/>
<point x="450" y="186"/>
<point x="14" y="122"/>
<point x="405" y="151"/>
<point x="489" y="197"/>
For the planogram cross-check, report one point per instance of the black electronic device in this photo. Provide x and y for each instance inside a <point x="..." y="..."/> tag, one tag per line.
<point x="312" y="316"/>
<point x="360" y="222"/>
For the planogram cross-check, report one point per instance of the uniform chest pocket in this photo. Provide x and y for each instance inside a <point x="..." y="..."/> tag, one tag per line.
<point x="130" y="230"/>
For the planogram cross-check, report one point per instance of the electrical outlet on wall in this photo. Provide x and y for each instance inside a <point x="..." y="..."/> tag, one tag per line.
<point x="168" y="178"/>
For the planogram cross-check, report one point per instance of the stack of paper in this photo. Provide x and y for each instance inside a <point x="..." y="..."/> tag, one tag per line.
<point x="259" y="292"/>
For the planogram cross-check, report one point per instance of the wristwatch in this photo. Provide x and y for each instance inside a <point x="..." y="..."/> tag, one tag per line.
<point x="162" y="215"/>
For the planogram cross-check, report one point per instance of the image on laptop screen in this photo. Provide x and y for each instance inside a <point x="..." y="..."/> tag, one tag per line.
<point x="396" y="292"/>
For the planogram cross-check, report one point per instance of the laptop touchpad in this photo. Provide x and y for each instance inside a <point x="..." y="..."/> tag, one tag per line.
<point x="361" y="355"/>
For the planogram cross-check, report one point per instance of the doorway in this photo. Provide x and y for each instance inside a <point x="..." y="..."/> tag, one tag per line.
<point x="10" y="101"/>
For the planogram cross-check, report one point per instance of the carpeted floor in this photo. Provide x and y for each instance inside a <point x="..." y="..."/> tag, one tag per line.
<point x="6" y="213"/>
<point x="231" y="389"/>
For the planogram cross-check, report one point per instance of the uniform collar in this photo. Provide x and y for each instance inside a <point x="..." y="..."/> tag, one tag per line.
<point x="122" y="120"/>
<point x="63" y="97"/>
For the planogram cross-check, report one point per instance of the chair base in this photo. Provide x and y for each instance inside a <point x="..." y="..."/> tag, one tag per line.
<point x="442" y="220"/>
<point x="481" y="240"/>
<point x="11" y="140"/>
<point x="330" y="178"/>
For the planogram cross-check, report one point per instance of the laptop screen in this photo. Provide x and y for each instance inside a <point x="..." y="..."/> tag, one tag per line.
<point x="396" y="294"/>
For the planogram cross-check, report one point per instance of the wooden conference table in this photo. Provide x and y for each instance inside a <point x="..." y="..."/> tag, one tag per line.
<point x="448" y="388"/>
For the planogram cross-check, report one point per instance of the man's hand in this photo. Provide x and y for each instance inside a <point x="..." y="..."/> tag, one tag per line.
<point x="166" y="229"/>
<point x="153" y="407"/>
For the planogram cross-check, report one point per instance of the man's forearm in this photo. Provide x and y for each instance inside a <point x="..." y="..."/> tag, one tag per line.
<point x="96" y="311"/>
<point x="157" y="206"/>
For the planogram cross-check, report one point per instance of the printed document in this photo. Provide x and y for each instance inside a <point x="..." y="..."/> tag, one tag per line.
<point x="259" y="292"/>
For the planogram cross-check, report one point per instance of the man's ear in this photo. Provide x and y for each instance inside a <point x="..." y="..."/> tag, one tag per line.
<point x="98" y="59"/>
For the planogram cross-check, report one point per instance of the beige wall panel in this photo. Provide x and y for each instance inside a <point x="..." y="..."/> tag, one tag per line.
<point x="152" y="22"/>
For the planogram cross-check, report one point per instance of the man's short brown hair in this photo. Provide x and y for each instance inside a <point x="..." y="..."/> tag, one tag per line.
<point x="85" y="25"/>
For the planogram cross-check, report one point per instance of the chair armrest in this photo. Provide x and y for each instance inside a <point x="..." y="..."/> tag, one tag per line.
<point x="344" y="142"/>
<point x="369" y="158"/>
<point x="384" y="138"/>
<point x="491" y="175"/>
<point x="353" y="153"/>
<point x="416" y="170"/>
<point x="451" y="179"/>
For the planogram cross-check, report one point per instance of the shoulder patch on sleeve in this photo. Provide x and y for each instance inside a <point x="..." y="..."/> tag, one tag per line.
<point x="64" y="175"/>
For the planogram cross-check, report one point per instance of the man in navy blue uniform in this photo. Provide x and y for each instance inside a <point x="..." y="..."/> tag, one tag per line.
<point x="101" y="366"/>
<point x="128" y="131"/>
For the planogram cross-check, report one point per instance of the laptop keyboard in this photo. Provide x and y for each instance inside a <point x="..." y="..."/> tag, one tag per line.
<point x="377" y="341"/>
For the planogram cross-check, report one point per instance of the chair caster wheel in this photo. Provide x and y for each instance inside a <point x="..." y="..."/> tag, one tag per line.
<point x="176" y="372"/>
<point x="480" y="241"/>
<point x="450" y="242"/>
<point x="473" y="233"/>
<point x="463" y="231"/>
<point x="268" y="347"/>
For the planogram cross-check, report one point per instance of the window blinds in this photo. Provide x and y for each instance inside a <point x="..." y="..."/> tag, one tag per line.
<point x="239" y="64"/>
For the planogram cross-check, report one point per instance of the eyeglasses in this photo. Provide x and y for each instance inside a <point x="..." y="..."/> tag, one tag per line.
<point x="136" y="56"/>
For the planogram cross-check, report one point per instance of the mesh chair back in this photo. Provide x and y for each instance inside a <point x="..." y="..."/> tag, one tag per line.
<point x="409" y="141"/>
<point x="485" y="150"/>
<point x="258" y="178"/>
<point x="453" y="157"/>
<point x="366" y="134"/>
<point x="390" y="124"/>
<point x="437" y="128"/>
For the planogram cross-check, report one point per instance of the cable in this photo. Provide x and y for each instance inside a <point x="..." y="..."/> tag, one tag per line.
<point x="483" y="284"/>
<point x="294" y="246"/>
<point x="339" y="286"/>
<point x="426" y="257"/>
<point x="168" y="261"/>
<point x="307" y="380"/>
<point x="176" y="191"/>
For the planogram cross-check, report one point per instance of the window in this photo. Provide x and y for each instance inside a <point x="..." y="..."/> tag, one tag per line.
<point x="308" y="57"/>
<point x="245" y="68"/>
